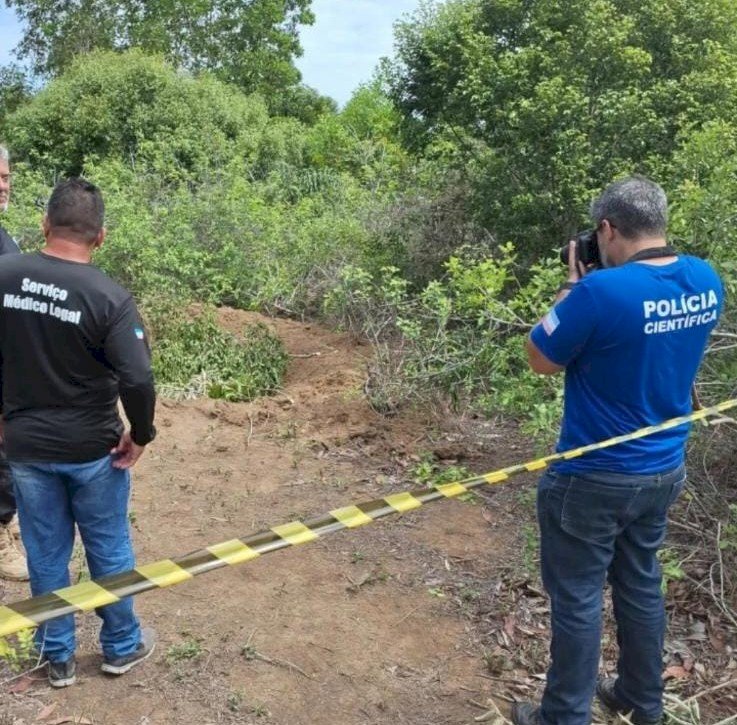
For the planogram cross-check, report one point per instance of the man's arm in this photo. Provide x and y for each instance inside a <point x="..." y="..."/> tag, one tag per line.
<point x="2" y="422"/>
<point x="536" y="359"/>
<point x="8" y="245"/>
<point x="563" y="332"/>
<point x="561" y="341"/>
<point x="538" y="362"/>
<point x="128" y="353"/>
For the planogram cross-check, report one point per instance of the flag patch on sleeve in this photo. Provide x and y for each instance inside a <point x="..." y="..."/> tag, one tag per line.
<point x="140" y="335"/>
<point x="550" y="322"/>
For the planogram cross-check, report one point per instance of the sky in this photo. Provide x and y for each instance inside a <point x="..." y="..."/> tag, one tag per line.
<point x="341" y="50"/>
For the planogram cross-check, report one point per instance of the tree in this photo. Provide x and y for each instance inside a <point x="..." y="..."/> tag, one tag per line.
<point x="303" y="103"/>
<point x="550" y="99"/>
<point x="140" y="110"/>
<point x="14" y="92"/>
<point x="361" y="140"/>
<point x="251" y="43"/>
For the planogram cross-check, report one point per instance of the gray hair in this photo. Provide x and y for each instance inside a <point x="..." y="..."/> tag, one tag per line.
<point x="636" y="206"/>
<point x="4" y="154"/>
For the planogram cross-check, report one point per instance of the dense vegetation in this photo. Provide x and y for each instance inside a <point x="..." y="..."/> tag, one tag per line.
<point x="251" y="44"/>
<point x="427" y="212"/>
<point x="425" y="215"/>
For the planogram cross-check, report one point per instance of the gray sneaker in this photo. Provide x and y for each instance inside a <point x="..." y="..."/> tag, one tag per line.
<point x="121" y="665"/>
<point x="62" y="674"/>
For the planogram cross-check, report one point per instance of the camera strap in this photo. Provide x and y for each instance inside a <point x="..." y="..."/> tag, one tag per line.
<point x="653" y="253"/>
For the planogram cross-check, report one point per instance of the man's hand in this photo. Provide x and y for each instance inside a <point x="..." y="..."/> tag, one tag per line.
<point x="576" y="268"/>
<point x="127" y="452"/>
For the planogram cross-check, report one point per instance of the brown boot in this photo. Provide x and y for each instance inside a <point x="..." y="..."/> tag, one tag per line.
<point x="12" y="562"/>
<point x="14" y="528"/>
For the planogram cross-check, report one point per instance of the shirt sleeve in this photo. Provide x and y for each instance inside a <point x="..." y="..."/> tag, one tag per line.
<point x="7" y="243"/>
<point x="127" y="352"/>
<point x="563" y="332"/>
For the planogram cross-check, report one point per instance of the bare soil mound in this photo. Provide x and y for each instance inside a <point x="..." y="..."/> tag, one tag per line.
<point x="360" y="627"/>
<point x="429" y="618"/>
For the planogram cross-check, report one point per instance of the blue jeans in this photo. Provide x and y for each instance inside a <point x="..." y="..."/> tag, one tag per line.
<point x="592" y="526"/>
<point x="51" y="497"/>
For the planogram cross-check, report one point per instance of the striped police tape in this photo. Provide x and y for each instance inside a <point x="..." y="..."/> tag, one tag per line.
<point x="89" y="595"/>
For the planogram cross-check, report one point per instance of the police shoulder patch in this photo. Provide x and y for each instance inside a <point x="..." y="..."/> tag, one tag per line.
<point x="550" y="322"/>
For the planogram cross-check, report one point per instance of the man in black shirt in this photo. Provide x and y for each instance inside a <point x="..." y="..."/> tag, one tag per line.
<point x="71" y="343"/>
<point x="7" y="243"/>
<point x="12" y="562"/>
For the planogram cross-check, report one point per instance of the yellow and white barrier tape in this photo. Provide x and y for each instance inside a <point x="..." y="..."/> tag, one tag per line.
<point x="89" y="595"/>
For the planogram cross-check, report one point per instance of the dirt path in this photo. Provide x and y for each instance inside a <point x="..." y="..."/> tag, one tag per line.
<point x="359" y="627"/>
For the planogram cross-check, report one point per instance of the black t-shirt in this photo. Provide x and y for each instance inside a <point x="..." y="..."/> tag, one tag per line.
<point x="7" y="243"/>
<point x="71" y="341"/>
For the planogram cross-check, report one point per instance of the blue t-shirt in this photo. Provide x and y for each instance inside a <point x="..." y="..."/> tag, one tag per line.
<point x="631" y="339"/>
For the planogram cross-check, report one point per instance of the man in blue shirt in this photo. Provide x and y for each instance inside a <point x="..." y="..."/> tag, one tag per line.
<point x="630" y="337"/>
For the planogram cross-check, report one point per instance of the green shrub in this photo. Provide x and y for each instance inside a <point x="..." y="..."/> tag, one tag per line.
<point x="461" y="337"/>
<point x="193" y="355"/>
<point x="18" y="652"/>
<point x="137" y="109"/>
<point x="189" y="649"/>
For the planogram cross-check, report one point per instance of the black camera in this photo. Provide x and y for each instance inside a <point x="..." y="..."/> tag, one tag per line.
<point x="587" y="250"/>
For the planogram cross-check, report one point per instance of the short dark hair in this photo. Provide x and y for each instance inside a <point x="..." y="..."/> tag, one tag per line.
<point x="637" y="206"/>
<point x="76" y="206"/>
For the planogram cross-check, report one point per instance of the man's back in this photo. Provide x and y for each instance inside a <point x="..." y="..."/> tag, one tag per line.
<point x="631" y="338"/>
<point x="70" y="341"/>
<point x="70" y="336"/>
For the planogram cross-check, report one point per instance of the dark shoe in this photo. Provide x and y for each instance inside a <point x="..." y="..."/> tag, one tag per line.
<point x="525" y="713"/>
<point x="62" y="674"/>
<point x="121" y="665"/>
<point x="608" y="697"/>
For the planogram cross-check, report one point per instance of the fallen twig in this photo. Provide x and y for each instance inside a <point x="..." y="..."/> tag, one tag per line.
<point x="22" y="674"/>
<point x="709" y="690"/>
<point x="281" y="663"/>
<point x="409" y="614"/>
<point x="494" y="712"/>
<point x="251" y="653"/>
<point x="250" y="430"/>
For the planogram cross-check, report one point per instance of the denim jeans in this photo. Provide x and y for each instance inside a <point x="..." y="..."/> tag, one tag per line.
<point x="51" y="497"/>
<point x="593" y="526"/>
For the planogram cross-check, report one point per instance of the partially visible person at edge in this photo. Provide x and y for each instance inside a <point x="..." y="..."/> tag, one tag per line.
<point x="630" y="338"/>
<point x="71" y="343"/>
<point x="12" y="561"/>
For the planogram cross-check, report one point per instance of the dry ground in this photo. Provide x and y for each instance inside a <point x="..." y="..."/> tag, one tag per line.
<point x="418" y="620"/>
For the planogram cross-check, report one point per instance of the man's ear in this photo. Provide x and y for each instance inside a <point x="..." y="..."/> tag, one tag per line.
<point x="99" y="239"/>
<point x="607" y="230"/>
<point x="45" y="226"/>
